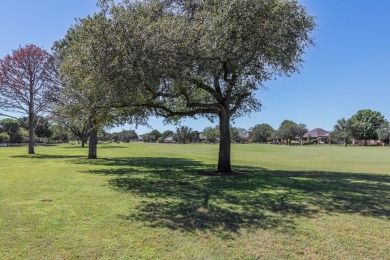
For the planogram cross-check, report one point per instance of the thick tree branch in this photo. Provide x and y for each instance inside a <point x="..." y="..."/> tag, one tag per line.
<point x="238" y="102"/>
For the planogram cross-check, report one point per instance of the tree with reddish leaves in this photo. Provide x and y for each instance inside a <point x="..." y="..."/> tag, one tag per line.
<point x="26" y="84"/>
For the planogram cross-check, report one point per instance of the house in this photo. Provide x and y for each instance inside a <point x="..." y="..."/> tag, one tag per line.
<point x="169" y="139"/>
<point x="243" y="137"/>
<point x="202" y="138"/>
<point x="318" y="133"/>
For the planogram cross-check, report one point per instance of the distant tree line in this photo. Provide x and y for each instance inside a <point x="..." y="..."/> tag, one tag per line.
<point x="363" y="126"/>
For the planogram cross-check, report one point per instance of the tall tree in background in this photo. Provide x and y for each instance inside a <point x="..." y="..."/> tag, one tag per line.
<point x="76" y="107"/>
<point x="301" y="131"/>
<point x="238" y="134"/>
<point x="87" y="97"/>
<point x="364" y="124"/>
<point x="211" y="134"/>
<point x="341" y="131"/>
<point x="288" y="130"/>
<point x="26" y="84"/>
<point x="384" y="132"/>
<point x="152" y="136"/>
<point x="183" y="133"/>
<point x="204" y="58"/>
<point x="13" y="128"/>
<point x="167" y="133"/>
<point x="76" y="123"/>
<point x="261" y="133"/>
<point x="42" y="126"/>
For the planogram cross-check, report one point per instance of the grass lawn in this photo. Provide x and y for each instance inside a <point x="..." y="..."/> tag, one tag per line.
<point x="147" y="201"/>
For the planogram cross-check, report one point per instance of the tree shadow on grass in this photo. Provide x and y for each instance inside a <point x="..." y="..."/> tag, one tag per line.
<point x="100" y="146"/>
<point x="174" y="195"/>
<point x="46" y="156"/>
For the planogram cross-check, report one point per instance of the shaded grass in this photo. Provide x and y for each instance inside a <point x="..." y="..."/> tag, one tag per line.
<point x="192" y="202"/>
<point x="148" y="201"/>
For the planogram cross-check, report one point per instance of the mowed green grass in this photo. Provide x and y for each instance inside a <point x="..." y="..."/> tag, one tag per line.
<point x="148" y="201"/>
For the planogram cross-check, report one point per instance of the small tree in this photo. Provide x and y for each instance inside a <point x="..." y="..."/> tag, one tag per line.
<point x="261" y="133"/>
<point x="341" y="131"/>
<point x="194" y="136"/>
<point x="42" y="126"/>
<point x="183" y="133"/>
<point x="301" y="131"/>
<point x="152" y="136"/>
<point x="288" y="130"/>
<point x="238" y="134"/>
<point x="167" y="133"/>
<point x="127" y="136"/>
<point x="60" y="133"/>
<point x="26" y="82"/>
<point x="211" y="134"/>
<point x="364" y="124"/>
<point x="384" y="132"/>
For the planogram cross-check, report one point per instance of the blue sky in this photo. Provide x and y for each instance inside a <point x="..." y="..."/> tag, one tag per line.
<point x="348" y="70"/>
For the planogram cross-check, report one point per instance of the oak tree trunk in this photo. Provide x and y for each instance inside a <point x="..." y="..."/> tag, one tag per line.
<point x="83" y="141"/>
<point x="92" y="152"/>
<point x="224" y="164"/>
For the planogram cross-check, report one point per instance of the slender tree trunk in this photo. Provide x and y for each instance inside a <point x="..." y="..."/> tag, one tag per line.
<point x="224" y="164"/>
<point x="31" y="134"/>
<point x="92" y="152"/>
<point x="345" y="142"/>
<point x="83" y="141"/>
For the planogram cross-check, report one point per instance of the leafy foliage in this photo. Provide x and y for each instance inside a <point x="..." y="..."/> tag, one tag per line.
<point x="211" y="134"/>
<point x="12" y="128"/>
<point x="341" y="131"/>
<point x="152" y="136"/>
<point x="198" y="58"/>
<point x="183" y="133"/>
<point x="288" y="130"/>
<point x="364" y="124"/>
<point x="190" y="58"/>
<point x="4" y="138"/>
<point x="384" y="132"/>
<point x="261" y="133"/>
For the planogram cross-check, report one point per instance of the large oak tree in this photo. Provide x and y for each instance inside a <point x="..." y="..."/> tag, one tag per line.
<point x="199" y="58"/>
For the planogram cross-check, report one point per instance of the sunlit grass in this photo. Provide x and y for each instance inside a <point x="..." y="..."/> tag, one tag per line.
<point x="148" y="201"/>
